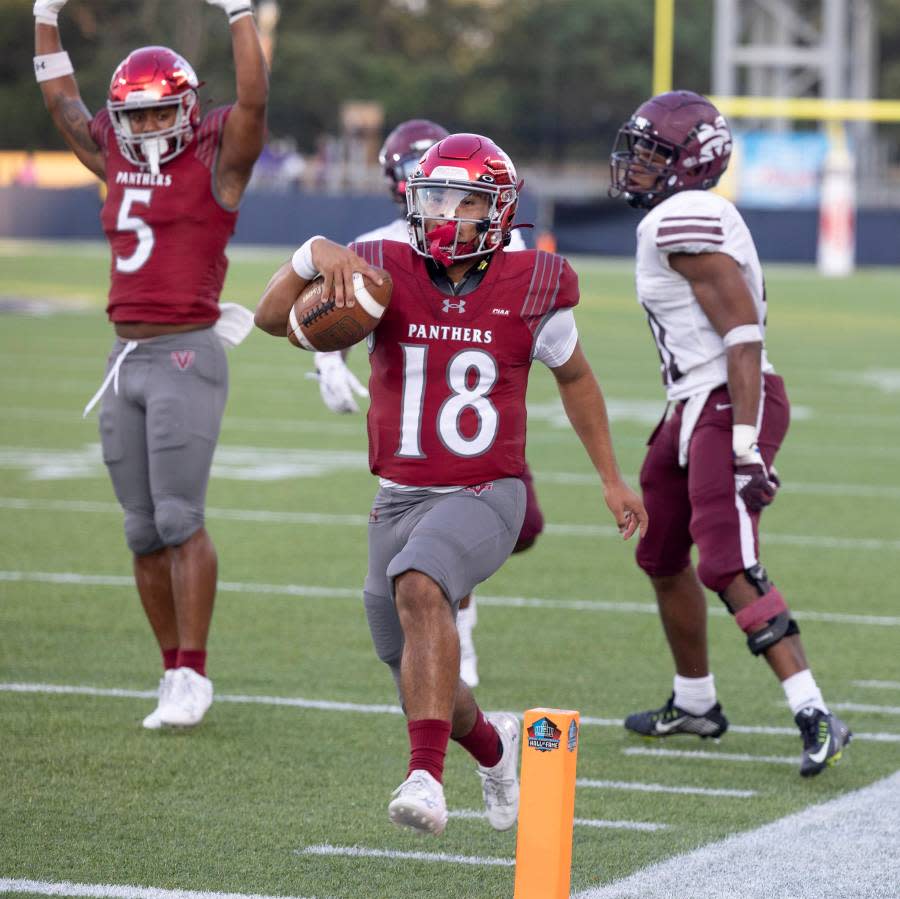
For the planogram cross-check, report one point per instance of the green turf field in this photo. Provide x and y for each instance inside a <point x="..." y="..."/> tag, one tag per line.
<point x="87" y="796"/>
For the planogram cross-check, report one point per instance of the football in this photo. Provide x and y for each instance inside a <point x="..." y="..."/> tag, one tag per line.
<point x="316" y="323"/>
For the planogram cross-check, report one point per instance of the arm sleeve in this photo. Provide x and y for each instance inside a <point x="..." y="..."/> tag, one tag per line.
<point x="556" y="340"/>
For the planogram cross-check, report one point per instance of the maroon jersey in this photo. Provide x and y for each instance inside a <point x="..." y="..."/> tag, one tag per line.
<point x="167" y="232"/>
<point x="449" y="374"/>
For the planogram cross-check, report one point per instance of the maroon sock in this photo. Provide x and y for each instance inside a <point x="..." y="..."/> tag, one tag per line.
<point x="483" y="742"/>
<point x="170" y="658"/>
<point x="428" y="740"/>
<point x="192" y="658"/>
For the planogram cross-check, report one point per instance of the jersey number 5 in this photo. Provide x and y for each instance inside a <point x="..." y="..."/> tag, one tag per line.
<point x="462" y="397"/>
<point x="143" y="232"/>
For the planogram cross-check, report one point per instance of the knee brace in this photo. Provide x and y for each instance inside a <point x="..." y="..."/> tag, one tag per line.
<point x="177" y="520"/>
<point x="141" y="534"/>
<point x="767" y="619"/>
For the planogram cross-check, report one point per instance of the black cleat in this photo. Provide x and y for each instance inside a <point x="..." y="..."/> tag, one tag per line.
<point x="824" y="739"/>
<point x="671" y="720"/>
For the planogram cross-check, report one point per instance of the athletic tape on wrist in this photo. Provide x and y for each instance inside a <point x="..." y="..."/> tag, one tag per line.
<point x="52" y="65"/>
<point x="302" y="262"/>
<point x="743" y="334"/>
<point x="743" y="439"/>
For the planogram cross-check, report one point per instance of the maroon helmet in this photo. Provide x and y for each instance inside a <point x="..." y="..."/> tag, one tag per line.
<point x="678" y="137"/>
<point x="463" y="179"/>
<point x="403" y="148"/>
<point x="148" y="78"/>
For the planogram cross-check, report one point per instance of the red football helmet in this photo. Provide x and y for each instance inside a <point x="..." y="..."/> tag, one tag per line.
<point x="463" y="179"/>
<point x="152" y="77"/>
<point x="680" y="138"/>
<point x="403" y="148"/>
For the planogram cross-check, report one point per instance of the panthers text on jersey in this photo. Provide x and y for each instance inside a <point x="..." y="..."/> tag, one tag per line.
<point x="691" y="352"/>
<point x="449" y="373"/>
<point x="167" y="232"/>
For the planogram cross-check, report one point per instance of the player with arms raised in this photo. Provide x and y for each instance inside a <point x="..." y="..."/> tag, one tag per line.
<point x="174" y="179"/>
<point x="450" y="362"/>
<point x="708" y="472"/>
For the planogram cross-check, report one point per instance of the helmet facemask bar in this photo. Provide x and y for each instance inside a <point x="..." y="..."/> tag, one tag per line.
<point x="152" y="148"/>
<point x="438" y="202"/>
<point x="635" y="156"/>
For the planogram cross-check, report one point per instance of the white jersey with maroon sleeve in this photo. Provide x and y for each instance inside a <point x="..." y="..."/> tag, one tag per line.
<point x="692" y="353"/>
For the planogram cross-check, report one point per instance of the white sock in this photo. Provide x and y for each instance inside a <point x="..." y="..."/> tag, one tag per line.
<point x="802" y="691"/>
<point x="695" y="695"/>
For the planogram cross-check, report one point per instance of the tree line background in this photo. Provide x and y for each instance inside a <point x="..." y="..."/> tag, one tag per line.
<point x="550" y="80"/>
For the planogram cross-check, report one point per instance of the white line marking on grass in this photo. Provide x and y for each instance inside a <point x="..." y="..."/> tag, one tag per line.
<point x="845" y="847"/>
<point x="552" y="530"/>
<point x="662" y="788"/>
<point x="518" y="602"/>
<point x="362" y="852"/>
<point x="327" y="705"/>
<point x="716" y="756"/>
<point x="471" y="814"/>
<point x="877" y="684"/>
<point x="863" y="707"/>
<point x="117" y="891"/>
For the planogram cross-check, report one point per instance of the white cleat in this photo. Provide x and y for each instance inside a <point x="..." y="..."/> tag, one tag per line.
<point x="500" y="784"/>
<point x="187" y="700"/>
<point x="153" y="721"/>
<point x="468" y="659"/>
<point x="419" y="803"/>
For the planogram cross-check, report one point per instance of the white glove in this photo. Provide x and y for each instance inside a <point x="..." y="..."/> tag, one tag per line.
<point x="46" y="11"/>
<point x="236" y="9"/>
<point x="337" y="383"/>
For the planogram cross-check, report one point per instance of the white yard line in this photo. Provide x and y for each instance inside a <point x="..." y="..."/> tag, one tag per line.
<point x="393" y="854"/>
<point x="264" y="516"/>
<point x="703" y="755"/>
<point x="877" y="684"/>
<point x="639" y="787"/>
<point x="518" y="602"/>
<point x="845" y="847"/>
<point x="117" y="891"/>
<point x="471" y="814"/>
<point x="328" y="705"/>
<point x="864" y="708"/>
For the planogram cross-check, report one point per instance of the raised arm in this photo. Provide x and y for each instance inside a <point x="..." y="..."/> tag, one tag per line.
<point x="62" y="98"/>
<point x="586" y="409"/>
<point x="245" y="129"/>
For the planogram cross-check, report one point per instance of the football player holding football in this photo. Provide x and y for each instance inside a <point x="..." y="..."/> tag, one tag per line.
<point x="709" y="473"/>
<point x="173" y="179"/>
<point x="450" y="361"/>
<point x="399" y="155"/>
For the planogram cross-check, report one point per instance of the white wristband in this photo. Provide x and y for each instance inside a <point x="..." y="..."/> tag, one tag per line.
<point x="743" y="439"/>
<point x="302" y="262"/>
<point x="52" y="65"/>
<point x="743" y="334"/>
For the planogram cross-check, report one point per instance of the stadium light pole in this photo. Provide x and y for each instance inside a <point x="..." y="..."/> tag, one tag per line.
<point x="663" y="43"/>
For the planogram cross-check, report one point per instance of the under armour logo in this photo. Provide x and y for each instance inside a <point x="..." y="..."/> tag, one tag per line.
<point x="459" y="307"/>
<point x="182" y="359"/>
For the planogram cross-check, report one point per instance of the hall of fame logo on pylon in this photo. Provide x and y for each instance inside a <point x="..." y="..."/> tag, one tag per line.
<point x="544" y="735"/>
<point x="573" y="736"/>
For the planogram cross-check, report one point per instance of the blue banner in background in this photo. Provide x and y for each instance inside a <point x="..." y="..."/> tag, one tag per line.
<point x="778" y="170"/>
